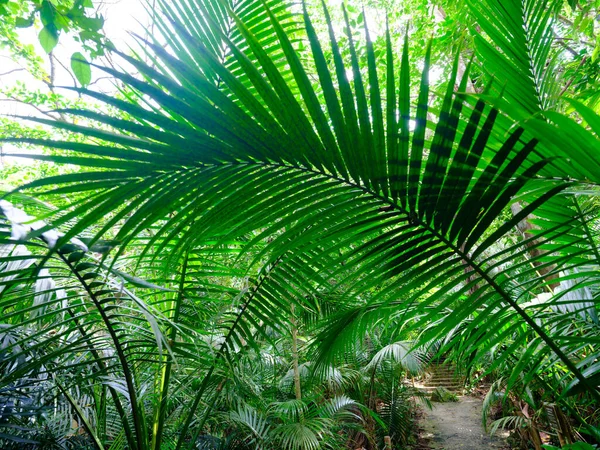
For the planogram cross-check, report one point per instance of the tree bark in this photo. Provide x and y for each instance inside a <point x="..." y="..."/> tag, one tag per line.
<point x="297" y="387"/>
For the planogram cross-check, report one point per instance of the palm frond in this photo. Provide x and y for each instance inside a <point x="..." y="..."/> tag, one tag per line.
<point x="402" y="353"/>
<point x="516" y="44"/>
<point x="328" y="189"/>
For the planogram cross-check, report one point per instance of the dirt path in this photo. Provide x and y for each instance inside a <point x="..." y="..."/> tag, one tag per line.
<point x="453" y="426"/>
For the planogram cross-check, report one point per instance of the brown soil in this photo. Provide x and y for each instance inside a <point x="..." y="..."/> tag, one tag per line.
<point x="454" y="426"/>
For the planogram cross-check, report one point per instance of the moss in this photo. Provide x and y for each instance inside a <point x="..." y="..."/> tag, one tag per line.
<point x="443" y="395"/>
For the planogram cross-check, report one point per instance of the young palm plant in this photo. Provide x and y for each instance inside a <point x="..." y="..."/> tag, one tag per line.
<point x="233" y="158"/>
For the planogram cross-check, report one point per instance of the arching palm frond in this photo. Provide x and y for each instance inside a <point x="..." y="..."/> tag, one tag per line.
<point x="216" y="28"/>
<point x="340" y="192"/>
<point x="515" y="43"/>
<point x="255" y="426"/>
<point x="401" y="353"/>
<point x="56" y="302"/>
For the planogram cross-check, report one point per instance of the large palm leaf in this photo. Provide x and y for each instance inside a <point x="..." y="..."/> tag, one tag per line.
<point x="515" y="45"/>
<point x="332" y="192"/>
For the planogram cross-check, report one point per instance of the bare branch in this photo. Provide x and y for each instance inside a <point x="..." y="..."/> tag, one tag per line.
<point x="37" y="108"/>
<point x="11" y="71"/>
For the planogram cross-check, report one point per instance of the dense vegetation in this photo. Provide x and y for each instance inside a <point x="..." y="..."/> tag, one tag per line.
<point x="277" y="219"/>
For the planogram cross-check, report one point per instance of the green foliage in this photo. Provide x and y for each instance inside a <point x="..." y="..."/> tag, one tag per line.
<point x="443" y="395"/>
<point x="81" y="69"/>
<point x="57" y="16"/>
<point x="48" y="40"/>
<point x="575" y="446"/>
<point x="526" y="56"/>
<point x="264" y="166"/>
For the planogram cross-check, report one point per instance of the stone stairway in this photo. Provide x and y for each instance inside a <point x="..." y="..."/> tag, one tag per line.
<point x="441" y="375"/>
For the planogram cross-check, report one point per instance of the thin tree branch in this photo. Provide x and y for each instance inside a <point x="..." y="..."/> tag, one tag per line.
<point x="564" y="45"/>
<point x="20" y="69"/>
<point x="40" y="110"/>
<point x="570" y="82"/>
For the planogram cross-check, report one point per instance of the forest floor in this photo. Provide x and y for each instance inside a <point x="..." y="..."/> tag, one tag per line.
<point x="457" y="425"/>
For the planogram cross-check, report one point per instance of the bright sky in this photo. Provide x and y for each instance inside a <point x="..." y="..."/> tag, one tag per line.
<point x="121" y="18"/>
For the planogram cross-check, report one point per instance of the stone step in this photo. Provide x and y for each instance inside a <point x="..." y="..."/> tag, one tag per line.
<point x="442" y="382"/>
<point x="447" y="386"/>
<point x="446" y="377"/>
<point x="428" y="390"/>
<point x="443" y="369"/>
<point x="449" y="373"/>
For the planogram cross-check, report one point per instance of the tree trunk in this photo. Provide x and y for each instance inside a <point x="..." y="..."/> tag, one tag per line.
<point x="295" y="357"/>
<point x="388" y="442"/>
